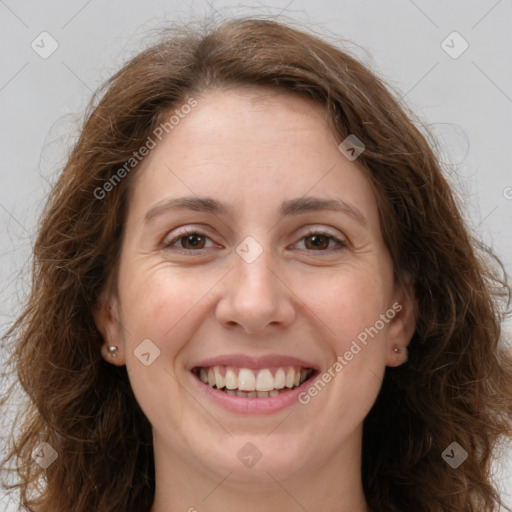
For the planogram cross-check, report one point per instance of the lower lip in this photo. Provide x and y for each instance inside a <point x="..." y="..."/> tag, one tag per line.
<point x="243" y="405"/>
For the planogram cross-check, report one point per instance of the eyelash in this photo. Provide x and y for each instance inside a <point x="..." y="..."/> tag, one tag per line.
<point x="189" y="231"/>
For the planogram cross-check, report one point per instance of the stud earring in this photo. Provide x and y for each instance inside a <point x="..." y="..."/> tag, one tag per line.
<point x="112" y="350"/>
<point x="402" y="351"/>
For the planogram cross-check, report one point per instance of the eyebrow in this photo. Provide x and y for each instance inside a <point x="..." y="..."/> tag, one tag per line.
<point x="288" y="207"/>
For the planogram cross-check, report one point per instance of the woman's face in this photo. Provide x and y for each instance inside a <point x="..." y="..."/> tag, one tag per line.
<point x="253" y="259"/>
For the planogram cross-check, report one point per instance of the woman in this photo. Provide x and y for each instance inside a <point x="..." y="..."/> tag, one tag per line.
<point x="253" y="289"/>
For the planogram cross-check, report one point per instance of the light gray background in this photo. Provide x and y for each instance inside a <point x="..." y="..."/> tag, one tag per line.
<point x="467" y="101"/>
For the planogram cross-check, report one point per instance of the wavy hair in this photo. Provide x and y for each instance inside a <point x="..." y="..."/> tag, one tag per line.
<point x="457" y="385"/>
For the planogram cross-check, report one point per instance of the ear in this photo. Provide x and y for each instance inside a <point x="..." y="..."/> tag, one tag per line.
<point x="401" y="326"/>
<point x="106" y="315"/>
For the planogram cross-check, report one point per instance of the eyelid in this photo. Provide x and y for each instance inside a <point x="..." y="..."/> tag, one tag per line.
<point x="320" y="228"/>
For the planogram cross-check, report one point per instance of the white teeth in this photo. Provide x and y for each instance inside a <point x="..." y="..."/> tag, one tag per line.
<point x="249" y="383"/>
<point x="265" y="380"/>
<point x="290" y="378"/>
<point x="247" y="380"/>
<point x="279" y="379"/>
<point x="231" y="380"/>
<point x="211" y="377"/>
<point x="219" y="379"/>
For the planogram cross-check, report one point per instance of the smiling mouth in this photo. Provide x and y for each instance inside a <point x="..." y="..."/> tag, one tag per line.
<point x="253" y="383"/>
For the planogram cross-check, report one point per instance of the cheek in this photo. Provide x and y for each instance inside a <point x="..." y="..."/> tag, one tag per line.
<point x="165" y="305"/>
<point x="349" y="302"/>
<point x="355" y="339"/>
<point x="157" y="305"/>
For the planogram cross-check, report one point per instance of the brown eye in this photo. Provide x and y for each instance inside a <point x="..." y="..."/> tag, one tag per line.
<point x="188" y="240"/>
<point x="322" y="242"/>
<point x="317" y="242"/>
<point x="192" y="241"/>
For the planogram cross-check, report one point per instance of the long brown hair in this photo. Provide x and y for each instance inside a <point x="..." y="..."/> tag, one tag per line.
<point x="457" y="385"/>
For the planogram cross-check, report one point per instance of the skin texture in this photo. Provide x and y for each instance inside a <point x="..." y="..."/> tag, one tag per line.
<point x="252" y="150"/>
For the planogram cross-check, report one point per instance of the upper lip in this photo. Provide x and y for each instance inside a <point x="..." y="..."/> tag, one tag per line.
<point x="245" y="361"/>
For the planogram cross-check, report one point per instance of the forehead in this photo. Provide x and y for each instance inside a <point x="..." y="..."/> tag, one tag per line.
<point x="251" y="146"/>
<point x="247" y="121"/>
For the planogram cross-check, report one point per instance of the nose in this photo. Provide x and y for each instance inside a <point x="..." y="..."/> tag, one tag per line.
<point x="255" y="297"/>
